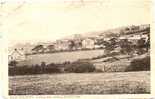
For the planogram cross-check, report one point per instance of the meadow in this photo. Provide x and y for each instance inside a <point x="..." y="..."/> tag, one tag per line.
<point x="81" y="83"/>
<point x="62" y="57"/>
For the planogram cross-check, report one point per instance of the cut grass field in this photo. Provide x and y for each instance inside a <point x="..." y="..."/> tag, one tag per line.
<point x="78" y="83"/>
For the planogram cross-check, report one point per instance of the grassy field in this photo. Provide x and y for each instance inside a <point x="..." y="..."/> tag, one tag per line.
<point x="62" y="57"/>
<point x="86" y="83"/>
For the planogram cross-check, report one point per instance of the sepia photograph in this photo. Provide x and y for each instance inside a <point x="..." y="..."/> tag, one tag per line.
<point x="78" y="47"/>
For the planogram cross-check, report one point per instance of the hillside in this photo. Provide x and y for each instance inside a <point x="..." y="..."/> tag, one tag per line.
<point x="105" y="33"/>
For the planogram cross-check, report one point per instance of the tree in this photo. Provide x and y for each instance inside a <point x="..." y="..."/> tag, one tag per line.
<point x="43" y="64"/>
<point x="147" y="44"/>
<point x="99" y="42"/>
<point x="71" y="44"/>
<point x="13" y="63"/>
<point x="141" y="45"/>
<point x="139" y="64"/>
<point x="51" y="48"/>
<point x="126" y="46"/>
<point x="108" y="47"/>
<point x="133" y="27"/>
<point x="113" y="42"/>
<point x="80" y="67"/>
<point x="148" y="29"/>
<point x="127" y="29"/>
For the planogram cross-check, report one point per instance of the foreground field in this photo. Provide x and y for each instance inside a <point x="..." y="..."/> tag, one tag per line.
<point x="94" y="83"/>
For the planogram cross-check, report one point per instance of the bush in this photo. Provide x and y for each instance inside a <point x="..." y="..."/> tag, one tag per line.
<point x="75" y="67"/>
<point x="142" y="64"/>
<point x="80" y="67"/>
<point x="52" y="68"/>
<point x="35" y="69"/>
<point x="24" y="70"/>
<point x="13" y="63"/>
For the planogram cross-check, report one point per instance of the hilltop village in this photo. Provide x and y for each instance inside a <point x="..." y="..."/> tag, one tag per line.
<point x="112" y="41"/>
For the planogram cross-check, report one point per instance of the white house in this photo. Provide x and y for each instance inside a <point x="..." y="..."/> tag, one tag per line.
<point x="88" y="43"/>
<point x="107" y="39"/>
<point x="62" y="45"/>
<point x="144" y="26"/>
<point x="134" y="37"/>
<point x="17" y="55"/>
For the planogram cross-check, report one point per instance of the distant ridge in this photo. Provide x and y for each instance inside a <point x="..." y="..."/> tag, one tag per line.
<point x="104" y="33"/>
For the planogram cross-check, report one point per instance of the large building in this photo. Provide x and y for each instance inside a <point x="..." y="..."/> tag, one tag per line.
<point x="88" y="43"/>
<point x="62" y="45"/>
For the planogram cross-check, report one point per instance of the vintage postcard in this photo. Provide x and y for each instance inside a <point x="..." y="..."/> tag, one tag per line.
<point x="76" y="49"/>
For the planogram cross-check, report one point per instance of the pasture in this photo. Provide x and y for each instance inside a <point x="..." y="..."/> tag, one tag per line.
<point x="62" y="57"/>
<point x="81" y="83"/>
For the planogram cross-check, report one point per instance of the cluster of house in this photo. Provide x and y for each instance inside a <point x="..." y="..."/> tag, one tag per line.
<point x="134" y="38"/>
<point x="77" y="43"/>
<point x="66" y="45"/>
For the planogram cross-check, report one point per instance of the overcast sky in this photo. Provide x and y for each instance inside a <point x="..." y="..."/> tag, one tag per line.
<point x="34" y="21"/>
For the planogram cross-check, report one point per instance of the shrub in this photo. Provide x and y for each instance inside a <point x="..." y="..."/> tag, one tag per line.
<point x="35" y="69"/>
<point x="139" y="64"/>
<point x="52" y="68"/>
<point x="75" y="67"/>
<point x="20" y="70"/>
<point x="80" y="67"/>
<point x="13" y="63"/>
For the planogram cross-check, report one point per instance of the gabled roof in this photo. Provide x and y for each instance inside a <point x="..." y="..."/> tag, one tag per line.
<point x="16" y="51"/>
